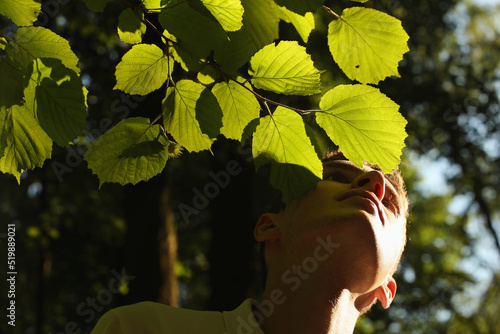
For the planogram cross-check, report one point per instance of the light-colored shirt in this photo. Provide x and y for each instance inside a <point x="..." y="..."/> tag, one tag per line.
<point x="150" y="317"/>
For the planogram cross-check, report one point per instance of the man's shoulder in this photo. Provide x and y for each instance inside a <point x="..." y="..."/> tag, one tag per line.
<point x="151" y="317"/>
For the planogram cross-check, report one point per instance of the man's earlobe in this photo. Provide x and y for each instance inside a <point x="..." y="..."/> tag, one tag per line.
<point x="386" y="292"/>
<point x="266" y="228"/>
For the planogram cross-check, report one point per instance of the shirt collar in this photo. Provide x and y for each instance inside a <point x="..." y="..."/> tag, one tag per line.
<point x="241" y="320"/>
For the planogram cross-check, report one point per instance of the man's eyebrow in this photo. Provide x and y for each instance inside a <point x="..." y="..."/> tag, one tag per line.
<point x="346" y="164"/>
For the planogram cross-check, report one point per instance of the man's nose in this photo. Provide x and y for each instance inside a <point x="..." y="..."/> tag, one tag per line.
<point x="373" y="181"/>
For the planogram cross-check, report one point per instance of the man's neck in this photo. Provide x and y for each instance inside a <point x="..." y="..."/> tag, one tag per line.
<point x="306" y="309"/>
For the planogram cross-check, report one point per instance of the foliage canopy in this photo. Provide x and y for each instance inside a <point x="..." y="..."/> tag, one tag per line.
<point x="232" y="48"/>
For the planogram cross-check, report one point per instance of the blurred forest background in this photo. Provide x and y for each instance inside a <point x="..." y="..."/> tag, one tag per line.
<point x="82" y="250"/>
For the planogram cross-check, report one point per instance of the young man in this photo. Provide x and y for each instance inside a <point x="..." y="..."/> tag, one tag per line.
<point x="330" y="256"/>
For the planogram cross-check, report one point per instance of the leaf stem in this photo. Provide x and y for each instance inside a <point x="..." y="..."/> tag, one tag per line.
<point x="329" y="10"/>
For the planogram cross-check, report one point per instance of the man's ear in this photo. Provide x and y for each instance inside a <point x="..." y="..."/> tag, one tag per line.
<point x="266" y="228"/>
<point x="386" y="292"/>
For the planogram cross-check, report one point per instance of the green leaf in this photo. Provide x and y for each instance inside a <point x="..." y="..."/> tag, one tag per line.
<point x="96" y="5"/>
<point x="23" y="143"/>
<point x="229" y="13"/>
<point x="142" y="70"/>
<point x="300" y="6"/>
<point x="181" y="115"/>
<point x="282" y="140"/>
<point x="57" y="98"/>
<point x="239" y="107"/>
<point x="21" y="12"/>
<point x="38" y="42"/>
<point x="236" y="51"/>
<point x="261" y="22"/>
<point x="364" y="123"/>
<point x="13" y="80"/>
<point x="286" y="69"/>
<point x="361" y="1"/>
<point x="194" y="31"/>
<point x="156" y="4"/>
<point x="207" y="75"/>
<point x="130" y="152"/>
<point x="367" y="44"/>
<point x="187" y="61"/>
<point x="260" y="27"/>
<point x="304" y="24"/>
<point x="131" y="26"/>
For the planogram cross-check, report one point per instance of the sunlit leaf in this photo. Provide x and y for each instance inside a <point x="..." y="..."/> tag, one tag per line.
<point x="239" y="107"/>
<point x="142" y="70"/>
<point x="23" y="143"/>
<point x="182" y="109"/>
<point x="131" y="26"/>
<point x="281" y="140"/>
<point x="21" y="12"/>
<point x="156" y="4"/>
<point x="304" y="24"/>
<point x="57" y="98"/>
<point x="38" y="42"/>
<point x="300" y="6"/>
<point x="364" y="123"/>
<point x="285" y="68"/>
<point x="130" y="152"/>
<point x="367" y="44"/>
<point x="207" y="75"/>
<point x="229" y="13"/>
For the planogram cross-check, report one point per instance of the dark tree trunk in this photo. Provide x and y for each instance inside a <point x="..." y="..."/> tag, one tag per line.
<point x="231" y="254"/>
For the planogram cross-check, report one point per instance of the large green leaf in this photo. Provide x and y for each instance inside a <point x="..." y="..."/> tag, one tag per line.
<point x="142" y="70"/>
<point x="57" y="98"/>
<point x="13" y="80"/>
<point x="364" y="123"/>
<point x="21" y="12"/>
<point x="131" y="26"/>
<point x="304" y="24"/>
<point x="183" y="107"/>
<point x="130" y="152"/>
<point x="300" y="6"/>
<point x="281" y="140"/>
<point x="285" y="68"/>
<point x="196" y="32"/>
<point x="38" y="42"/>
<point x="239" y="107"/>
<point x="367" y="44"/>
<point x="229" y="13"/>
<point x="23" y="143"/>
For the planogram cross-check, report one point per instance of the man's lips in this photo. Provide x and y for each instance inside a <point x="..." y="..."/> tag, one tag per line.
<point x="367" y="195"/>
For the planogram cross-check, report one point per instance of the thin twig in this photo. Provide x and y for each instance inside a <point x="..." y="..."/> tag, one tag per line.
<point x="329" y="10"/>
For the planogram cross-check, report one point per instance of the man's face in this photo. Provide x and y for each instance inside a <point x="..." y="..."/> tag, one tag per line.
<point x="361" y="210"/>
